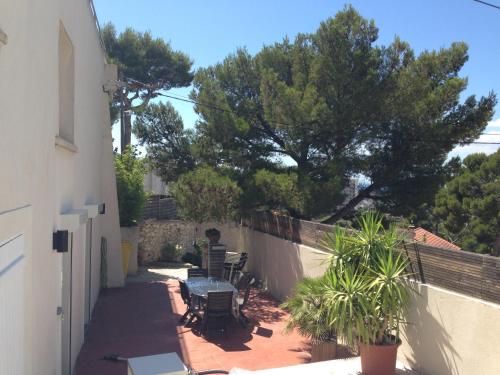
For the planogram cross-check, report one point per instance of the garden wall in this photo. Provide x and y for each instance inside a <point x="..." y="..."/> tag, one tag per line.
<point x="154" y="234"/>
<point x="449" y="333"/>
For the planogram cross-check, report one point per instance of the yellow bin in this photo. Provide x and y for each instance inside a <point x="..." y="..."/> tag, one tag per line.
<point x="126" y="251"/>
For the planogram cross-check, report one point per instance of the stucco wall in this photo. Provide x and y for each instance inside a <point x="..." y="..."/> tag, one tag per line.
<point x="448" y="333"/>
<point x="52" y="179"/>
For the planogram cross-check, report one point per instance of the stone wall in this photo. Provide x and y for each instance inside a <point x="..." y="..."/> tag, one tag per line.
<point x="154" y="234"/>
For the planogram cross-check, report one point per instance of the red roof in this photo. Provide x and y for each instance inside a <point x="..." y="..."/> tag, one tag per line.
<point x="424" y="236"/>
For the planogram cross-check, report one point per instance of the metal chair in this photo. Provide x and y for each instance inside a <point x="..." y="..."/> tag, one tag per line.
<point x="217" y="311"/>
<point x="244" y="285"/>
<point x="216" y="257"/>
<point x="238" y="266"/>
<point x="186" y="298"/>
<point x="197" y="272"/>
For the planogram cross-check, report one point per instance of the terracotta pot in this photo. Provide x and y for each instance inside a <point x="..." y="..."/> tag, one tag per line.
<point x="323" y="350"/>
<point x="378" y="359"/>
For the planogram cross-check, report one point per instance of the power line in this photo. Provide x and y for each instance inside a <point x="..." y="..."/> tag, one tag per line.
<point x="191" y="101"/>
<point x="282" y="124"/>
<point x="488" y="4"/>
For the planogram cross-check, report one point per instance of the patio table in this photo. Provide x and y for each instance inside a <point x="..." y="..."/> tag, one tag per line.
<point x="200" y="286"/>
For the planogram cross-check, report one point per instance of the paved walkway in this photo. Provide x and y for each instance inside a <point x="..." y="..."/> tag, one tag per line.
<point x="142" y="319"/>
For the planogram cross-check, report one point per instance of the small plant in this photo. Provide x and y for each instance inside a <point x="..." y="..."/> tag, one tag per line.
<point x="213" y="235"/>
<point x="170" y="252"/>
<point x="195" y="258"/>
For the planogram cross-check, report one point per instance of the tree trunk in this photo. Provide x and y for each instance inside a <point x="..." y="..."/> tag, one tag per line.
<point x="127" y="129"/>
<point x="365" y="193"/>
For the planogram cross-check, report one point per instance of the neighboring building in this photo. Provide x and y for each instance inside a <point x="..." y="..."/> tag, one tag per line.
<point x="154" y="185"/>
<point x="56" y="169"/>
<point x="429" y="238"/>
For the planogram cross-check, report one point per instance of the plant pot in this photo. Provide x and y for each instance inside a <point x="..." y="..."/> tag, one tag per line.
<point x="378" y="359"/>
<point x="323" y="350"/>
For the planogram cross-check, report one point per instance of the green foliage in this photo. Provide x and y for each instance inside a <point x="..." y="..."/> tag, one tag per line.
<point x="212" y="232"/>
<point x="160" y="127"/>
<point x="205" y="195"/>
<point x="170" y="252"/>
<point x="129" y="184"/>
<point x="149" y="60"/>
<point x="337" y="105"/>
<point x="195" y="258"/>
<point x="364" y="294"/>
<point x="308" y="312"/>
<point x="146" y="65"/>
<point x="469" y="204"/>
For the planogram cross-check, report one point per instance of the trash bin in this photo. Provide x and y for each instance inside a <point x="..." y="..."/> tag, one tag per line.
<point x="126" y="251"/>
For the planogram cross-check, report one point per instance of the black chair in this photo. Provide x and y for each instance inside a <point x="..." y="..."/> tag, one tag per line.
<point x="197" y="272"/>
<point x="244" y="285"/>
<point x="216" y="257"/>
<point x="238" y="266"/>
<point x="217" y="312"/>
<point x="186" y="298"/>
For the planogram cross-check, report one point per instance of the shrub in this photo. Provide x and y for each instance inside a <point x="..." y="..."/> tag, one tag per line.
<point x="205" y="195"/>
<point x="129" y="184"/>
<point x="194" y="258"/>
<point x="170" y="252"/>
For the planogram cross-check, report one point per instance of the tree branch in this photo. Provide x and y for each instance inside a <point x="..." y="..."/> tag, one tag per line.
<point x="339" y="214"/>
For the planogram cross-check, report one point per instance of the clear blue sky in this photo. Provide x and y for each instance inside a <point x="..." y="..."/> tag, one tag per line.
<point x="210" y="30"/>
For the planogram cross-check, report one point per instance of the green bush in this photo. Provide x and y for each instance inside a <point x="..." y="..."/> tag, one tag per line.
<point x="170" y="252"/>
<point x="206" y="195"/>
<point x="130" y="172"/>
<point x="196" y="257"/>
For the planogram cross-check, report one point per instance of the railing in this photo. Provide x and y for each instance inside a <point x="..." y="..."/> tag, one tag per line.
<point x="97" y="25"/>
<point x="464" y="272"/>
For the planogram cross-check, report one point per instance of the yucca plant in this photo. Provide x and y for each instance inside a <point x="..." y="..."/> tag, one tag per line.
<point x="364" y="294"/>
<point x="366" y="286"/>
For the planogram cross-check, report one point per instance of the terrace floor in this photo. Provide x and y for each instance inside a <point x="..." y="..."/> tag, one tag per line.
<point x="142" y="319"/>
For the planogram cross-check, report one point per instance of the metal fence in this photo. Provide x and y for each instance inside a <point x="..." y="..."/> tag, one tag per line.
<point x="468" y="273"/>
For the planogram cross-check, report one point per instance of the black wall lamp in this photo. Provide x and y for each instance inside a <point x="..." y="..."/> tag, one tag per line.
<point x="102" y="208"/>
<point x="60" y="241"/>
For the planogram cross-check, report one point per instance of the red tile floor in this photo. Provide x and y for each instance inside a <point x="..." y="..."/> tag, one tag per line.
<point x="142" y="319"/>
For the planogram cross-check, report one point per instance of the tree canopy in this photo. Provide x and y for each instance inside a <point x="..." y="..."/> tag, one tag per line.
<point x="469" y="204"/>
<point x="147" y="66"/>
<point x="336" y="105"/>
<point x="160" y="128"/>
<point x="292" y="124"/>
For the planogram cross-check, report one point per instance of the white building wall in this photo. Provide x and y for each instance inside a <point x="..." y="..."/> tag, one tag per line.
<point x="51" y="179"/>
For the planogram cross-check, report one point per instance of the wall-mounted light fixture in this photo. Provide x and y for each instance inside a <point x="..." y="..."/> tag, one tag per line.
<point x="102" y="208"/>
<point x="60" y="241"/>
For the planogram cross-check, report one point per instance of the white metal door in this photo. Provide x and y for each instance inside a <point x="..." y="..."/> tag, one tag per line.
<point x="12" y="309"/>
<point x="67" y="271"/>
<point x="88" y="270"/>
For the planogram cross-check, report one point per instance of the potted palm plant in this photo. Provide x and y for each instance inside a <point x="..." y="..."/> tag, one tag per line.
<point x="363" y="296"/>
<point x="366" y="291"/>
<point x="308" y="316"/>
